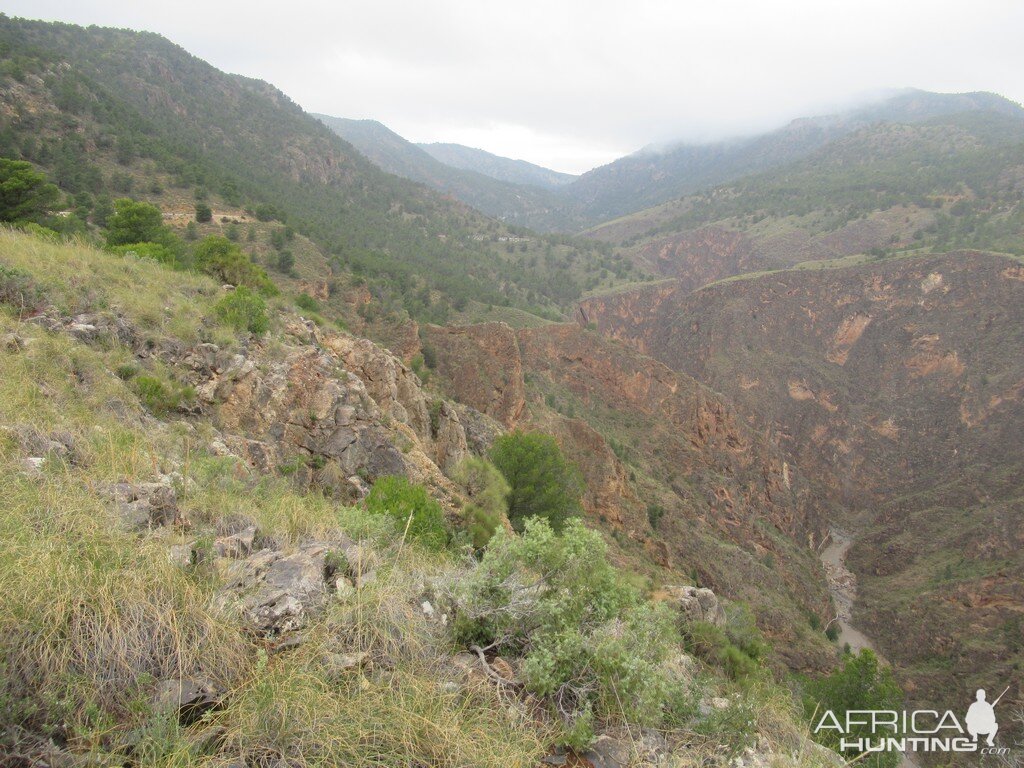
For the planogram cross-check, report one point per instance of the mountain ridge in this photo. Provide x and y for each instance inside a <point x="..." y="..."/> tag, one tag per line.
<point x="497" y="167"/>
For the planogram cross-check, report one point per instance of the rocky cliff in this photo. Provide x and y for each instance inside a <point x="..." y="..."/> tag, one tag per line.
<point x="670" y="471"/>
<point x="896" y="386"/>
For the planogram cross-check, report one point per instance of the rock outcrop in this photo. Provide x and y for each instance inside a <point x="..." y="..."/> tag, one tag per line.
<point x="492" y="382"/>
<point x="346" y="409"/>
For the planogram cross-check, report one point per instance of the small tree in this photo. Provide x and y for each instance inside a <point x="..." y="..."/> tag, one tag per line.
<point x="542" y="482"/>
<point x="285" y="262"/>
<point x="135" y="222"/>
<point x="224" y="260"/>
<point x="243" y="310"/>
<point x="860" y="684"/>
<point x="488" y="494"/>
<point x="204" y="214"/>
<point x="411" y="508"/>
<point x="25" y="194"/>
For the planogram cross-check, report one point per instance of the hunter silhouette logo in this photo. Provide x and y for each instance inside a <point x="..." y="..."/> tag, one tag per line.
<point x="981" y="717"/>
<point x="922" y="730"/>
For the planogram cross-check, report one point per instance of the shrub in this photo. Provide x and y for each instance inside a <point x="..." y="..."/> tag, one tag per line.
<point x="285" y="262"/>
<point x="204" y="214"/>
<point x="861" y="683"/>
<point x="716" y="646"/>
<point x="154" y="251"/>
<point x="243" y="310"/>
<point x="135" y="222"/>
<point x="591" y="646"/>
<point x="429" y="356"/>
<point x="413" y="510"/>
<point x="267" y="213"/>
<point x="742" y="631"/>
<point x="307" y="302"/>
<point x="542" y="482"/>
<point x="224" y="260"/>
<point x="25" y="194"/>
<point x="654" y="514"/>
<point x="19" y="291"/>
<point x="162" y="397"/>
<point x="488" y="495"/>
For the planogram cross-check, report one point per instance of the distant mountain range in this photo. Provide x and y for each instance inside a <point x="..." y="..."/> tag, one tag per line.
<point x="520" y="192"/>
<point x="519" y="203"/>
<point x="501" y="168"/>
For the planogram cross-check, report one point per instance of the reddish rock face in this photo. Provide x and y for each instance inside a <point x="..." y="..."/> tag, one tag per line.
<point x="722" y="486"/>
<point x="647" y="438"/>
<point x="897" y="388"/>
<point x="699" y="257"/>
<point x="481" y="367"/>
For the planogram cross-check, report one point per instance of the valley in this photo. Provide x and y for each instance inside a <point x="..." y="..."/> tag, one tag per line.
<point x="784" y="374"/>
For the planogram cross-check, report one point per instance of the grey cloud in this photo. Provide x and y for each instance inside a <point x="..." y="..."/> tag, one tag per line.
<point x="573" y="83"/>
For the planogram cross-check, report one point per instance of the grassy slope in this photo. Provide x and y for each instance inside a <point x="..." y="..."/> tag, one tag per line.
<point x="93" y="616"/>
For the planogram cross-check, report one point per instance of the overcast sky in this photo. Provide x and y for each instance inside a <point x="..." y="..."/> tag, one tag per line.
<point x="574" y="84"/>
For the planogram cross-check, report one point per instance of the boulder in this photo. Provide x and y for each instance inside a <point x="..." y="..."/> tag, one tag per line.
<point x="187" y="698"/>
<point x="695" y="604"/>
<point x="12" y="342"/>
<point x="147" y="505"/>
<point x="237" y="545"/>
<point x="277" y="591"/>
<point x="59" y="444"/>
<point x="607" y="752"/>
<point x="338" y="664"/>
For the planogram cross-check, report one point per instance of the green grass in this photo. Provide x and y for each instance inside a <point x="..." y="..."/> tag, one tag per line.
<point x="77" y="278"/>
<point x="94" y="616"/>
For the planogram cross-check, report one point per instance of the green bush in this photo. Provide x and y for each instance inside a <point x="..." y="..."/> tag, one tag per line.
<point x="162" y="397"/>
<point x="715" y="646"/>
<point x="591" y="646"/>
<point x="285" y="262"/>
<point x="542" y="482"/>
<point x="224" y="260"/>
<point x="654" y="514"/>
<point x="243" y="310"/>
<point x="135" y="222"/>
<point x="488" y="498"/>
<point x="412" y="509"/>
<point x="154" y="251"/>
<point x="307" y="302"/>
<point x="204" y="214"/>
<point x="25" y="194"/>
<point x="742" y="631"/>
<point x="861" y="683"/>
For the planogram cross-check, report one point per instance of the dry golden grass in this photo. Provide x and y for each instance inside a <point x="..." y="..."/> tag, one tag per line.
<point x="93" y="616"/>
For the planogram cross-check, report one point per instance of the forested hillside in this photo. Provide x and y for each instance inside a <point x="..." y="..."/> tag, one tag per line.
<point x="112" y="113"/>
<point x="889" y="188"/>
<point x="512" y="203"/>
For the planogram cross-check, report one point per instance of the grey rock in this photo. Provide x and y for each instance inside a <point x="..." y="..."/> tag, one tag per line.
<point x="237" y="545"/>
<point x="607" y="752"/>
<point x="696" y="604"/>
<point x="336" y="664"/>
<point x="187" y="698"/>
<point x="12" y="342"/>
<point x="278" y="591"/>
<point x="147" y="505"/>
